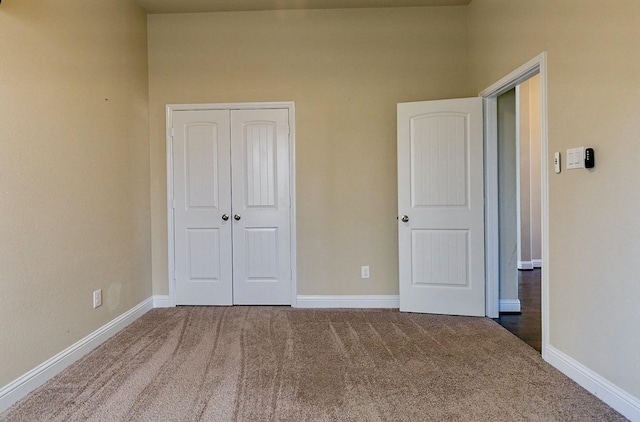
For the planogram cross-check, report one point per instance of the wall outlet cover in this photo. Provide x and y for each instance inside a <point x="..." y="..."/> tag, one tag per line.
<point x="97" y="298"/>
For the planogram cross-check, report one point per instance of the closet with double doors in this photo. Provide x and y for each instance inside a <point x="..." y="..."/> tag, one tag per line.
<point x="230" y="206"/>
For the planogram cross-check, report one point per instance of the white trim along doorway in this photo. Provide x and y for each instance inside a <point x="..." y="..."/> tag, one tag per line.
<point x="537" y="65"/>
<point x="205" y="274"/>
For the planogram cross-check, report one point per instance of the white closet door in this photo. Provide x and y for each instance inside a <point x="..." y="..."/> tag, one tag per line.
<point x="202" y="200"/>
<point x="261" y="207"/>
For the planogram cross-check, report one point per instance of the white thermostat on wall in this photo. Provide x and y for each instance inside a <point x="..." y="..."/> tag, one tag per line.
<point x="556" y="162"/>
<point x="575" y="158"/>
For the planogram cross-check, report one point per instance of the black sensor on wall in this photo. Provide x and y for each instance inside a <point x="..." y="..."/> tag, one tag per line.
<point x="589" y="158"/>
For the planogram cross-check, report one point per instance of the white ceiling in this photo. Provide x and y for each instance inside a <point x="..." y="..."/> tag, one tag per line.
<point x="195" y="6"/>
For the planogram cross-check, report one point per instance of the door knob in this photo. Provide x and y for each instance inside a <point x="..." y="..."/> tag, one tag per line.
<point x="237" y="217"/>
<point x="225" y="217"/>
<point x="405" y="218"/>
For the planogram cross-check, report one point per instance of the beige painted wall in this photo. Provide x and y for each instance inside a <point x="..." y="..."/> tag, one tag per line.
<point x="530" y="242"/>
<point x="507" y="192"/>
<point x="535" y="167"/>
<point x="74" y="212"/>
<point x="346" y="70"/>
<point x="524" y="171"/>
<point x="593" y="92"/>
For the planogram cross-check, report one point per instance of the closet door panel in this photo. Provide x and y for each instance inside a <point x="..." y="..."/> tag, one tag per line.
<point x="261" y="207"/>
<point x="201" y="197"/>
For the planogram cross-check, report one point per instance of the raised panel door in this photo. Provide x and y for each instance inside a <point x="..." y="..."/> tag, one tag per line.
<point x="202" y="195"/>
<point x="441" y="197"/>
<point x="261" y="204"/>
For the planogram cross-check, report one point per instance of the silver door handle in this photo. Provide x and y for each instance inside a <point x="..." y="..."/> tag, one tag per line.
<point x="237" y="217"/>
<point x="225" y="217"/>
<point x="405" y="218"/>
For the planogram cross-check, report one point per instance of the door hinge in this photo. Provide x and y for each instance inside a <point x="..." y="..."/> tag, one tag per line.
<point x="173" y="132"/>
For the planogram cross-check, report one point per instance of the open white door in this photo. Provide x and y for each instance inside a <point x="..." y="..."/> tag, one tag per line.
<point x="441" y="207"/>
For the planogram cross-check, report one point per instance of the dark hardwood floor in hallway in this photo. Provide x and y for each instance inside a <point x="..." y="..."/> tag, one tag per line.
<point x="528" y="324"/>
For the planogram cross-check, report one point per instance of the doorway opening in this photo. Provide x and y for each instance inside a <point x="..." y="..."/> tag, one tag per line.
<point x="508" y="209"/>
<point x="520" y="211"/>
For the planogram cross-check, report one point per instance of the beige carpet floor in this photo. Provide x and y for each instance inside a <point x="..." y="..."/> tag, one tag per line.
<point x="284" y="364"/>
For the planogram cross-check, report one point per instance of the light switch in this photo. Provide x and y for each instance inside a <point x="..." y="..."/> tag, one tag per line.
<point x="575" y="158"/>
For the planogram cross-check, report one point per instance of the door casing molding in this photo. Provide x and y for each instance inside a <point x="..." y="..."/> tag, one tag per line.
<point x="290" y="107"/>
<point x="537" y="65"/>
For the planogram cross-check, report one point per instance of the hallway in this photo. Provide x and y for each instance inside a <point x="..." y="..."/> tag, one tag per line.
<point x="528" y="324"/>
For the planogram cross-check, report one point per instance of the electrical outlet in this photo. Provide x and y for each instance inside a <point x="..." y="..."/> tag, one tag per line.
<point x="364" y="271"/>
<point x="97" y="298"/>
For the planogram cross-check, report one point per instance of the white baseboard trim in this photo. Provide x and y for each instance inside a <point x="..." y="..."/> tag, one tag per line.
<point x="162" y="301"/>
<point x="509" y="305"/>
<point x="525" y="265"/>
<point x="537" y="263"/>
<point x="14" y="391"/>
<point x="360" y="301"/>
<point x="614" y="396"/>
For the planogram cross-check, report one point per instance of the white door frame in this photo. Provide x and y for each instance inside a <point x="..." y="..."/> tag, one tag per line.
<point x="537" y="65"/>
<point x="170" y="108"/>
